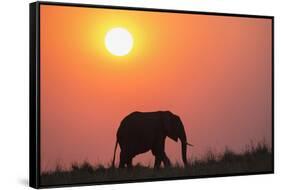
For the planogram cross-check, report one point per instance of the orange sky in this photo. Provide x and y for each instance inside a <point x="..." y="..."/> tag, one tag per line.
<point x="213" y="71"/>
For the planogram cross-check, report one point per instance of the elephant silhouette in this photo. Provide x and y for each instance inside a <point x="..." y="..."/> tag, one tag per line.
<point x="140" y="132"/>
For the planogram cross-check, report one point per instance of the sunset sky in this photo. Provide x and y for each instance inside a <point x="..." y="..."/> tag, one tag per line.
<point x="212" y="71"/>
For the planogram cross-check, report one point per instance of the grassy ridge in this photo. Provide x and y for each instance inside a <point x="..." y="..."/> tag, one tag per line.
<point x="254" y="159"/>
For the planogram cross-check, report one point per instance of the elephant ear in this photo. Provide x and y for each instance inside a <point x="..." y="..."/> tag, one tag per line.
<point x="169" y="127"/>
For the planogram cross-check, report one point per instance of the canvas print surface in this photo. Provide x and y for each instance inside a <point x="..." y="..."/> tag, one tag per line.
<point x="142" y="95"/>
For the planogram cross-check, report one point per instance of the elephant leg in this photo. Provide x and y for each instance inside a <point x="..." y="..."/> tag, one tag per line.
<point x="122" y="159"/>
<point x="157" y="163"/>
<point x="159" y="152"/>
<point x="158" y="159"/>
<point x="166" y="160"/>
<point x="129" y="163"/>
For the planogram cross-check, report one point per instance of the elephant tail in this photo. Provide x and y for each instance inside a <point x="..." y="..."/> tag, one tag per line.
<point x="113" y="161"/>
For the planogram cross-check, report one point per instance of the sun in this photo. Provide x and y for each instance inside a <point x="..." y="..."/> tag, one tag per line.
<point x="119" y="41"/>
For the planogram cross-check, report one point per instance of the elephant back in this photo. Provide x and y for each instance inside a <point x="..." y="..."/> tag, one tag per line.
<point x="139" y="126"/>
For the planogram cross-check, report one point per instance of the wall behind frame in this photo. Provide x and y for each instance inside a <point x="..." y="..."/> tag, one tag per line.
<point x="14" y="101"/>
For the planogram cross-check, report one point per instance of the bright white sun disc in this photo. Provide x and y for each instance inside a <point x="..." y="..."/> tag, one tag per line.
<point x="118" y="41"/>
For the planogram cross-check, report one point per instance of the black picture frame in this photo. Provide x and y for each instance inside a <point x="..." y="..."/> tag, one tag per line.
<point x="34" y="91"/>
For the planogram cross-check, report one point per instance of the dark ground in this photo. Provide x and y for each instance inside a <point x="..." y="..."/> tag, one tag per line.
<point x="256" y="159"/>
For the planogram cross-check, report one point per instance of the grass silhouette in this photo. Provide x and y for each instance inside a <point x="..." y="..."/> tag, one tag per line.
<point x="254" y="159"/>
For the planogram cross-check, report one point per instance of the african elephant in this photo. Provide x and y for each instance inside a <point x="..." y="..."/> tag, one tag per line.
<point x="140" y="132"/>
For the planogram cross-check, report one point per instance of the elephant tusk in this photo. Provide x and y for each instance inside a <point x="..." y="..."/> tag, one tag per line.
<point x="189" y="144"/>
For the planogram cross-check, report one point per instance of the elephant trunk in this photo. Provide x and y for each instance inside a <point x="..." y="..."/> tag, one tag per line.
<point x="182" y="137"/>
<point x="183" y="152"/>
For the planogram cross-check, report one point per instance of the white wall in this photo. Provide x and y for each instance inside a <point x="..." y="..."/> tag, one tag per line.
<point x="14" y="92"/>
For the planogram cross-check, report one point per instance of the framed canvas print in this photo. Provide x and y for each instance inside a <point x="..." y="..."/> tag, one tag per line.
<point x="121" y="94"/>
